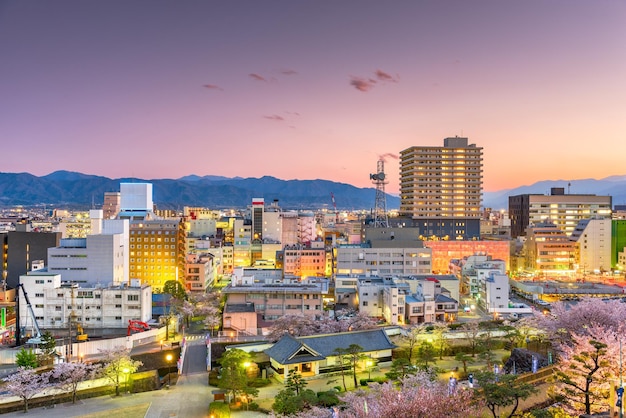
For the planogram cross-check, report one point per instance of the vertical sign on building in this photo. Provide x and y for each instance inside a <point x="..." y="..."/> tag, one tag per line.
<point x="3" y="317"/>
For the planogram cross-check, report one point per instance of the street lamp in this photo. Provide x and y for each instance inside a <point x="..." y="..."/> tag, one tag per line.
<point x="169" y="358"/>
<point x="369" y="363"/>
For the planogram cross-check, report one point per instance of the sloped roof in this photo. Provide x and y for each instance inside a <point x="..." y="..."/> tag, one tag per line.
<point x="444" y="299"/>
<point x="290" y="350"/>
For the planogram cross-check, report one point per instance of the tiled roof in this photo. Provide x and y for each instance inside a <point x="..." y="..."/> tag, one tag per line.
<point x="444" y="299"/>
<point x="290" y="350"/>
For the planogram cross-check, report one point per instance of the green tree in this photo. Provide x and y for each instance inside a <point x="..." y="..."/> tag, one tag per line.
<point x="26" y="359"/>
<point x="463" y="358"/>
<point x="426" y="354"/>
<point x="48" y="344"/>
<point x="512" y="335"/>
<point x="118" y="365"/>
<point x="286" y="402"/>
<point x="440" y="336"/>
<point x="488" y="357"/>
<point x="400" y="368"/>
<point x="233" y="376"/>
<point x="503" y="390"/>
<point x="341" y="354"/>
<point x="295" y="381"/>
<point x="355" y="354"/>
<point x="175" y="289"/>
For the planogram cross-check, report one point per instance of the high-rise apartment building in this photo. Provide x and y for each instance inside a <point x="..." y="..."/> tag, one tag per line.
<point x="442" y="186"/>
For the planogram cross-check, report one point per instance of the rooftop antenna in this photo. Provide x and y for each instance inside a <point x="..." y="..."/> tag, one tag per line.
<point x="380" y="205"/>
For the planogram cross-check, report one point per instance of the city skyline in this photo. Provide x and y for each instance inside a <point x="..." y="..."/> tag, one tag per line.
<point x="152" y="89"/>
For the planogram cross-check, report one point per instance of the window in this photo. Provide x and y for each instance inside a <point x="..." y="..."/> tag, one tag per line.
<point x="133" y="298"/>
<point x="365" y="303"/>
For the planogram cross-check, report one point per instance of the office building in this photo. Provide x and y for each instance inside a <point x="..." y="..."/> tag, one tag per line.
<point x="564" y="210"/>
<point x="101" y="258"/>
<point x="20" y="249"/>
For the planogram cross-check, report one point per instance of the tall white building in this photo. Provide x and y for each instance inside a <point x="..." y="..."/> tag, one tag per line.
<point x="495" y="295"/>
<point x="593" y="237"/>
<point x="102" y="258"/>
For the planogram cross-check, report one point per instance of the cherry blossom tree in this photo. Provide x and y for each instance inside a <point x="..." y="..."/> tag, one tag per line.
<point x="187" y="309"/>
<point x="586" y="370"/>
<point x="589" y="313"/>
<point x="27" y="383"/>
<point x="411" y="338"/>
<point x="417" y="396"/>
<point x="117" y="363"/>
<point x="69" y="375"/>
<point x="296" y="325"/>
<point x="471" y="332"/>
<point x="299" y="325"/>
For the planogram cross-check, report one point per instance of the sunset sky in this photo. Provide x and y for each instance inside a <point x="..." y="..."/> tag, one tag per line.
<point x="311" y="89"/>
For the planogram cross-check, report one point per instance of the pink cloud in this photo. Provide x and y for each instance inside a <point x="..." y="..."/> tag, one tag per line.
<point x="362" y="84"/>
<point x="212" y="87"/>
<point x="277" y="118"/>
<point x="288" y="72"/>
<point x="383" y="76"/>
<point x="257" y="77"/>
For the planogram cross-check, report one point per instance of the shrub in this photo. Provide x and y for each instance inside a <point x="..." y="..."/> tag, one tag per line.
<point x="259" y="383"/>
<point x="328" y="398"/>
<point x="219" y="410"/>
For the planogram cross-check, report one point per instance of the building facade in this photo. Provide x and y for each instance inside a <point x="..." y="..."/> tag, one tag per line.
<point x="443" y="186"/>
<point x="564" y="210"/>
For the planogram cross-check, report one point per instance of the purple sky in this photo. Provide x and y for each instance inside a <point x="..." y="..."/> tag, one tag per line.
<point x="317" y="89"/>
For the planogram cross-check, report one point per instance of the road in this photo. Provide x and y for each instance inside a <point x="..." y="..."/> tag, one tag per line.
<point x="189" y="397"/>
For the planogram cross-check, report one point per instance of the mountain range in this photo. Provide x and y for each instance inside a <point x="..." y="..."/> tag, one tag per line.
<point x="71" y="189"/>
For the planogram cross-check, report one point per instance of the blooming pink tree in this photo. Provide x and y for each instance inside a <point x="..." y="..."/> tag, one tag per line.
<point x="417" y="396"/>
<point x="590" y="313"/>
<point x="118" y="365"/>
<point x="295" y="325"/>
<point x="69" y="375"/>
<point x="586" y="370"/>
<point x="27" y="383"/>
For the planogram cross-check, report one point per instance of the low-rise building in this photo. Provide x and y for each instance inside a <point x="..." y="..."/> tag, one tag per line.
<point x="271" y="301"/>
<point x="94" y="308"/>
<point x="316" y="355"/>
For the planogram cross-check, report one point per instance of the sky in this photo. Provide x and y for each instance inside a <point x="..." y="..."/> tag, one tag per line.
<point x="311" y="90"/>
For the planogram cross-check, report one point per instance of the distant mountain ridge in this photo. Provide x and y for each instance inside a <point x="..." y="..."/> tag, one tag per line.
<point x="66" y="188"/>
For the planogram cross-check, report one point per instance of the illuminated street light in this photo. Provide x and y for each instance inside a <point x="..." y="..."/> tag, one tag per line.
<point x="169" y="359"/>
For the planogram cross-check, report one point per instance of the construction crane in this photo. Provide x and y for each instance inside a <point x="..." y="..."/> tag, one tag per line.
<point x="135" y="325"/>
<point x="332" y="197"/>
<point x="37" y="338"/>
